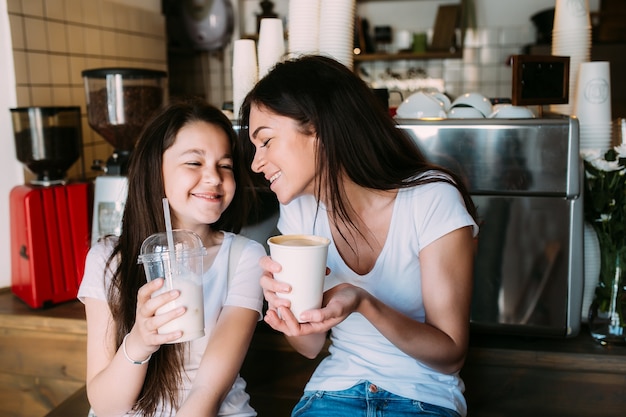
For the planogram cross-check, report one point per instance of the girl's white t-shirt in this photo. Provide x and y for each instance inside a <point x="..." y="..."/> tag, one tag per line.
<point x="358" y="351"/>
<point x="243" y="290"/>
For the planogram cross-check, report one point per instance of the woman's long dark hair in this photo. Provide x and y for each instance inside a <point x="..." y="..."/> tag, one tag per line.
<point x="143" y="216"/>
<point x="356" y="137"/>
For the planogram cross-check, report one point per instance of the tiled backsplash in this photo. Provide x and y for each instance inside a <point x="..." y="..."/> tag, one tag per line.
<point x="484" y="67"/>
<point x="55" y="40"/>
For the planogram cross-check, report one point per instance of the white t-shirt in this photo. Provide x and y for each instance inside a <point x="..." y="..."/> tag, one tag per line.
<point x="243" y="290"/>
<point x="358" y="351"/>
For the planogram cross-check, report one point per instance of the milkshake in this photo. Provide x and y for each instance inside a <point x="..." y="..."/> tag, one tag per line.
<point x="183" y="272"/>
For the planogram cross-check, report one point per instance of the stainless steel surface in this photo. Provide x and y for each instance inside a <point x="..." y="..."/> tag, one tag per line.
<point x="525" y="179"/>
<point x="504" y="156"/>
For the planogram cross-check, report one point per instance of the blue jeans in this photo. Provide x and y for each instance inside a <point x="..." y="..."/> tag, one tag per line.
<point x="364" y="400"/>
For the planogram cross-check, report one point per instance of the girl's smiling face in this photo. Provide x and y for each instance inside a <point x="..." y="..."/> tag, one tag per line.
<point x="198" y="176"/>
<point x="283" y="154"/>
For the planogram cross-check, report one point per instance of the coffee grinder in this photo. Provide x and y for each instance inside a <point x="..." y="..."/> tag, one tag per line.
<point x="119" y="103"/>
<point x="49" y="216"/>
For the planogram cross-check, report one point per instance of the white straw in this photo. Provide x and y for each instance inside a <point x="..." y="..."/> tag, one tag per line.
<point x="168" y="231"/>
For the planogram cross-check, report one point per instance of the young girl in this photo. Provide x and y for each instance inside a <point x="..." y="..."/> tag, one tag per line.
<point x="187" y="153"/>
<point x="397" y="299"/>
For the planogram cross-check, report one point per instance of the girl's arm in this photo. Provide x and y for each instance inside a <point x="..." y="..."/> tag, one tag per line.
<point x="113" y="382"/>
<point x="221" y="362"/>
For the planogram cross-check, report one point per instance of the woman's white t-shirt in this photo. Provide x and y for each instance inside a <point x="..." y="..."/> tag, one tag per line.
<point x="243" y="290"/>
<point x="358" y="351"/>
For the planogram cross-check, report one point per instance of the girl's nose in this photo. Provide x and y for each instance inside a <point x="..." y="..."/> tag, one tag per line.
<point x="212" y="176"/>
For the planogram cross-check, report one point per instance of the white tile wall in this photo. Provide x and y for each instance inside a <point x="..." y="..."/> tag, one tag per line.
<point x="55" y="40"/>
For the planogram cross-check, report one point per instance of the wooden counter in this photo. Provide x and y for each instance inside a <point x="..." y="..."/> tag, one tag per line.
<point x="42" y="355"/>
<point x="43" y="362"/>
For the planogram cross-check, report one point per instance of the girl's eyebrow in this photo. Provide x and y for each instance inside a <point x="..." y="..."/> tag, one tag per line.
<point x="201" y="153"/>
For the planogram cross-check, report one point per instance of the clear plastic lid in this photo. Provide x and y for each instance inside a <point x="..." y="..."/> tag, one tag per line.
<point x="186" y="244"/>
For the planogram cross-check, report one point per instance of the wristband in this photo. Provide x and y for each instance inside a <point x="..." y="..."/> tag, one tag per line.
<point x="134" y="362"/>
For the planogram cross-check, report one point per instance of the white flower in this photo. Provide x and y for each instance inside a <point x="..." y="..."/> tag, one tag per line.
<point x="621" y="150"/>
<point x="605" y="165"/>
<point x="604" y="218"/>
<point x="591" y="154"/>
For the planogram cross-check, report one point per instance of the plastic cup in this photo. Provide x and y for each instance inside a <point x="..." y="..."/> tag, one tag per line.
<point x="303" y="261"/>
<point x="183" y="272"/>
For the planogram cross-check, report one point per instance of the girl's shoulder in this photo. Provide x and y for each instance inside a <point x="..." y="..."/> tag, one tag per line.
<point x="241" y="242"/>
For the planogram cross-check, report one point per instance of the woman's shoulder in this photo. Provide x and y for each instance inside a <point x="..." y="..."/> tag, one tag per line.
<point x="432" y="182"/>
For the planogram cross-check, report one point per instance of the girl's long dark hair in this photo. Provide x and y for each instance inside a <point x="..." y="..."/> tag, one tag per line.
<point x="356" y="137"/>
<point x="143" y="216"/>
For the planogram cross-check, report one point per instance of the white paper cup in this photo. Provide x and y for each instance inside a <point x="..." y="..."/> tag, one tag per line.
<point x="271" y="48"/>
<point x="571" y="15"/>
<point x="245" y="71"/>
<point x="303" y="261"/>
<point x="182" y="272"/>
<point x="592" y="103"/>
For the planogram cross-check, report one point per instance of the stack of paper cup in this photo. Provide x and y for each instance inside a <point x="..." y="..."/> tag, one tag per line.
<point x="571" y="36"/>
<point x="336" y="33"/>
<point x="304" y="26"/>
<point x="592" y="105"/>
<point x="591" y="274"/>
<point x="245" y="71"/>
<point x="271" y="47"/>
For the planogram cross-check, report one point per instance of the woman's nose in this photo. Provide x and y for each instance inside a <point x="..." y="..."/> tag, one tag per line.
<point x="257" y="163"/>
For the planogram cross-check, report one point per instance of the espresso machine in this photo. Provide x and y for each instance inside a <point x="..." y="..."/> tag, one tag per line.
<point x="119" y="103"/>
<point x="49" y="215"/>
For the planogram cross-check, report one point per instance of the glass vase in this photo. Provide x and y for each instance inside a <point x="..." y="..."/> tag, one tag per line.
<point x="607" y="312"/>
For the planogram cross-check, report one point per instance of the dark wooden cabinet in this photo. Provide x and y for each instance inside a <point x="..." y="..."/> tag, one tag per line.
<point x="505" y="376"/>
<point x="516" y="376"/>
<point x="615" y="54"/>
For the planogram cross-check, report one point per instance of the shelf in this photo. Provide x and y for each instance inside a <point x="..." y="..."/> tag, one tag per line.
<point x="408" y="55"/>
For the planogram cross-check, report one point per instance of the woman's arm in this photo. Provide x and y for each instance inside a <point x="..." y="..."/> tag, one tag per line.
<point x="447" y="281"/>
<point x="113" y="382"/>
<point x="221" y="361"/>
<point x="440" y="342"/>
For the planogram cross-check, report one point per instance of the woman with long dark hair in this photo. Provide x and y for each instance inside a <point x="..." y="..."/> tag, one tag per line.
<point x="397" y="300"/>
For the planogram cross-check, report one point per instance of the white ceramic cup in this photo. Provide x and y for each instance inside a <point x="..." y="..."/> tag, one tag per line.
<point x="465" y="113"/>
<point x="303" y="262"/>
<point x="421" y="105"/>
<point x="509" y="111"/>
<point x="475" y="100"/>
